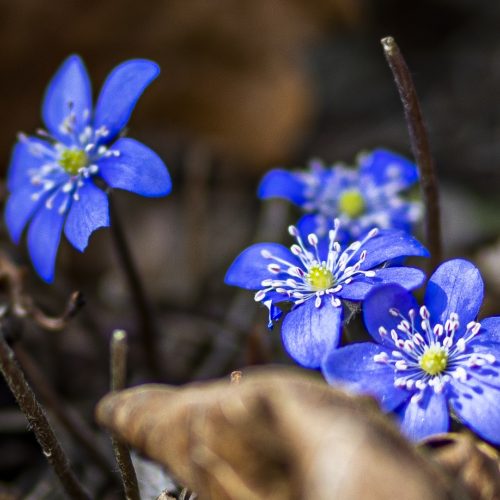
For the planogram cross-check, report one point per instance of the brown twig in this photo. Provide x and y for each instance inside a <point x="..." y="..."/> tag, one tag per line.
<point x="71" y="421"/>
<point x="23" y="305"/>
<point x="118" y="377"/>
<point x="37" y="419"/>
<point x="420" y="148"/>
<point x="73" y="306"/>
<point x="148" y="332"/>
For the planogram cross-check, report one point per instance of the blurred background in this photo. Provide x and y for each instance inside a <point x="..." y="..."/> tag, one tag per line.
<point x="245" y="86"/>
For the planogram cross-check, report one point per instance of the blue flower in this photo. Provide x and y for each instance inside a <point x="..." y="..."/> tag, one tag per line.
<point x="315" y="276"/>
<point x="361" y="199"/>
<point x="50" y="177"/>
<point x="429" y="359"/>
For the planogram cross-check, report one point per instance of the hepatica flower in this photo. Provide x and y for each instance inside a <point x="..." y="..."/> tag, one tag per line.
<point x="50" y="177"/>
<point x="315" y="277"/>
<point x="429" y="360"/>
<point x="362" y="198"/>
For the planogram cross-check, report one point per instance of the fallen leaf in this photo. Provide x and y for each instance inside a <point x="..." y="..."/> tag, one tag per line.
<point x="469" y="461"/>
<point x="278" y="434"/>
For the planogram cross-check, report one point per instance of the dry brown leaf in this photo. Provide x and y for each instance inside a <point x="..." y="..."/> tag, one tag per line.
<point x="469" y="460"/>
<point x="278" y="434"/>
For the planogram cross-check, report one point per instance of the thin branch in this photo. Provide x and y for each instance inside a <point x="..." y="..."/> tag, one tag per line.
<point x="71" y="421"/>
<point x="23" y="305"/>
<point x="420" y="148"/>
<point x="147" y="330"/>
<point x="38" y="422"/>
<point x="118" y="377"/>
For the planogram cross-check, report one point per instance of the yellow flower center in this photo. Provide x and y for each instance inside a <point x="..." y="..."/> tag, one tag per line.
<point x="434" y="360"/>
<point x="72" y="160"/>
<point x="352" y="203"/>
<point x="320" y="278"/>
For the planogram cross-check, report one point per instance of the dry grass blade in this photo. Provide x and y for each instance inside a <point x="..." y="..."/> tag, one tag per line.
<point x="277" y="435"/>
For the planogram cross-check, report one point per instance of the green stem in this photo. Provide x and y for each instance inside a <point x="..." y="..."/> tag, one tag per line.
<point x="147" y="330"/>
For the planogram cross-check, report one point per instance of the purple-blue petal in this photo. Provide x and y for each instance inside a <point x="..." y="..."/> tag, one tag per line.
<point x="455" y="287"/>
<point x="120" y="93"/>
<point x="249" y="269"/>
<point x="478" y="406"/>
<point x="320" y="224"/>
<point x="89" y="213"/>
<point x="376" y="309"/>
<point x="309" y="333"/>
<point x="19" y="208"/>
<point x="489" y="373"/>
<point x="44" y="235"/>
<point x="137" y="169"/>
<point x="490" y="329"/>
<point x="353" y="367"/>
<point x="391" y="244"/>
<point x="282" y="184"/>
<point x="426" y="417"/>
<point x="69" y="91"/>
<point x="27" y="155"/>
<point x="385" y="166"/>
<point x="407" y="277"/>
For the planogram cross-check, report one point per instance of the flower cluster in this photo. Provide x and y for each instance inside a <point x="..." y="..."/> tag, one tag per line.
<point x="362" y="198"/>
<point x="426" y="362"/>
<point x="316" y="275"/>
<point x="429" y="359"/>
<point x="50" y="177"/>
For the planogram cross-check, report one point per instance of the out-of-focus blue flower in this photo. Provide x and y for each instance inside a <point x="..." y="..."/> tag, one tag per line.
<point x="315" y="277"/>
<point x="50" y="176"/>
<point x="362" y="198"/>
<point x="428" y="359"/>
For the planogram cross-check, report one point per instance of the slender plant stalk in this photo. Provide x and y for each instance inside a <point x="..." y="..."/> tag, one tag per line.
<point x="420" y="147"/>
<point x="118" y="376"/>
<point x="148" y="333"/>
<point x="71" y="421"/>
<point x="38" y="422"/>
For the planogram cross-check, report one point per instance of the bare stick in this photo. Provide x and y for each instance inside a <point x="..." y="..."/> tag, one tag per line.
<point x="38" y="421"/>
<point x="71" y="421"/>
<point x="118" y="377"/>
<point x="420" y="148"/>
<point x="147" y="330"/>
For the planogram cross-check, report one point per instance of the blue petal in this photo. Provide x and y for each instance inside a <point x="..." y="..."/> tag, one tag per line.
<point x="19" y="209"/>
<point x="68" y="91"/>
<point x="490" y="329"/>
<point x="384" y="166"/>
<point x="376" y="309"/>
<point x="478" y="406"/>
<point x="137" y="169"/>
<point x="456" y="286"/>
<point x="28" y="154"/>
<point x="44" y="235"/>
<point x="249" y="269"/>
<point x="407" y="277"/>
<point x="391" y="244"/>
<point x="120" y="93"/>
<point x="488" y="373"/>
<point x="282" y="184"/>
<point x="309" y="333"/>
<point x="425" y="418"/>
<point x="275" y="313"/>
<point x="320" y="224"/>
<point x="86" y="215"/>
<point x="353" y="367"/>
